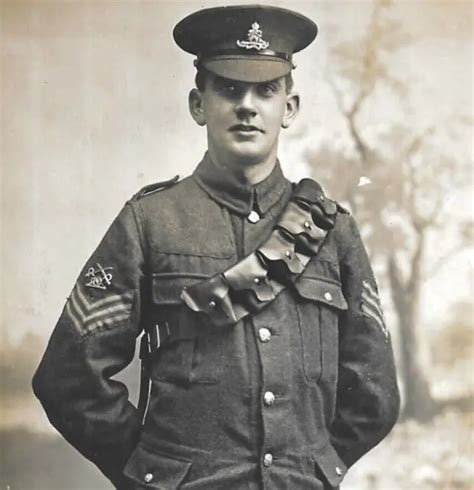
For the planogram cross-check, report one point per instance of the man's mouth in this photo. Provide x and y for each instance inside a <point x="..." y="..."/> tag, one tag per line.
<point x="245" y="128"/>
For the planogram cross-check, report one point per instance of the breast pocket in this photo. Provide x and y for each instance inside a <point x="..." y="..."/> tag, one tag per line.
<point x="189" y="349"/>
<point x="319" y="304"/>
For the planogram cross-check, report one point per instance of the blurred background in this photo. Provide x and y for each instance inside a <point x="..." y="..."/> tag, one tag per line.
<point x="94" y="106"/>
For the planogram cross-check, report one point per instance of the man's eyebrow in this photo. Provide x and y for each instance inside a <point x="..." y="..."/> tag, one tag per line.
<point x="278" y="82"/>
<point x="219" y="79"/>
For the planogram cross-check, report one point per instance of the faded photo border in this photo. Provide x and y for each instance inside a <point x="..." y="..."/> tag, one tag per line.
<point x="94" y="107"/>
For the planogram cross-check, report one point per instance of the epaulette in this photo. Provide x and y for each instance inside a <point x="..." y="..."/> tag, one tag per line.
<point x="342" y="209"/>
<point x="157" y="186"/>
<point x="316" y="188"/>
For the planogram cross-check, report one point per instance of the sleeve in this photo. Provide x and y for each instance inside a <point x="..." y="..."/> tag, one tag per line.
<point x="93" y="340"/>
<point x="368" y="400"/>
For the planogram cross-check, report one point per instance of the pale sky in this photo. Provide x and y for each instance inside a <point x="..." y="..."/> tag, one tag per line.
<point x="94" y="106"/>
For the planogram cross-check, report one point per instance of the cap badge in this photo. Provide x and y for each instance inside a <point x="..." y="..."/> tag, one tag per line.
<point x="254" y="39"/>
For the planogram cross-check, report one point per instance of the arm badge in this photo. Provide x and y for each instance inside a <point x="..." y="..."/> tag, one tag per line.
<point x="99" y="277"/>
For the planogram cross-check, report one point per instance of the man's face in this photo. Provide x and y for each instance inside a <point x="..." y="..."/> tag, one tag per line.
<point x="243" y="119"/>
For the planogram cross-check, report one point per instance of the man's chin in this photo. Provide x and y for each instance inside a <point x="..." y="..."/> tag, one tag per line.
<point x="248" y="154"/>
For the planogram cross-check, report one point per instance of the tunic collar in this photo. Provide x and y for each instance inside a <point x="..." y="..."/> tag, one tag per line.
<point x="235" y="193"/>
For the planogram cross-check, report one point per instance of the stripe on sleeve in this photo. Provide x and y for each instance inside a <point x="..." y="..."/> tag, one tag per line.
<point x="88" y="316"/>
<point x="371" y="307"/>
<point x="374" y="304"/>
<point x="370" y="290"/>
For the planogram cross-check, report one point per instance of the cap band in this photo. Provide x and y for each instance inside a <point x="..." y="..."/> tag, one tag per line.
<point x="233" y="52"/>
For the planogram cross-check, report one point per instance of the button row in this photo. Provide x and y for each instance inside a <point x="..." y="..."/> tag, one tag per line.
<point x="264" y="334"/>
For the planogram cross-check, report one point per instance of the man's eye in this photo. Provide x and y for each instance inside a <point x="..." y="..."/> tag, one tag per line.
<point x="228" y="88"/>
<point x="267" y="88"/>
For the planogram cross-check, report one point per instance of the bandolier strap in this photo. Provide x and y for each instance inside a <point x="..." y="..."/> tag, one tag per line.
<point x="255" y="281"/>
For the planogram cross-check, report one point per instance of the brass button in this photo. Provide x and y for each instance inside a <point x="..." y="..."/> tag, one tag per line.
<point x="288" y="253"/>
<point x="338" y="471"/>
<point x="328" y="296"/>
<point x="253" y="217"/>
<point x="268" y="398"/>
<point x="321" y="198"/>
<point x="257" y="281"/>
<point x="212" y="303"/>
<point x="148" y="477"/>
<point x="307" y="225"/>
<point x="264" y="334"/>
<point x="267" y="460"/>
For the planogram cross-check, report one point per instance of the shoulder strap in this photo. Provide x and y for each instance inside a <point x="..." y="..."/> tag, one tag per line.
<point x="254" y="282"/>
<point x="157" y="186"/>
<point x="342" y="209"/>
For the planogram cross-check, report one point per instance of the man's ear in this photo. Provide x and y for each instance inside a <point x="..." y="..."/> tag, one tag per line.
<point x="291" y="110"/>
<point x="196" y="110"/>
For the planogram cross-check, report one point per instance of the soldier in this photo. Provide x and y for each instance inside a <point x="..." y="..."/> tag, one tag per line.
<point x="269" y="362"/>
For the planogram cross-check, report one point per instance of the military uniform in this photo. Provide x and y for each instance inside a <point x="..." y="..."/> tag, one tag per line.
<point x="271" y="366"/>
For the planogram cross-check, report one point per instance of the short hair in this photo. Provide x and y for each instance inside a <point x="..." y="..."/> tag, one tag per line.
<point x="202" y="73"/>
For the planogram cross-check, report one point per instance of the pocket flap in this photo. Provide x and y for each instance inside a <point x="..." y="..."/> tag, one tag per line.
<point x="156" y="470"/>
<point x="321" y="289"/>
<point x="167" y="287"/>
<point x="331" y="465"/>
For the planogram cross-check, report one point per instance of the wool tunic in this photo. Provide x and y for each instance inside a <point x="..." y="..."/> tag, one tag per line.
<point x="285" y="398"/>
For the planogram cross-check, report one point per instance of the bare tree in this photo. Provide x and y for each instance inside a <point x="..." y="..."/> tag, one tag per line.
<point x="397" y="183"/>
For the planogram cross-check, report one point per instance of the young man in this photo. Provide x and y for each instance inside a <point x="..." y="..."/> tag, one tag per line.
<point x="269" y="360"/>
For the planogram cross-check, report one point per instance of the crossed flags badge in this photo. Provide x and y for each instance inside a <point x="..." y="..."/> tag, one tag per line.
<point x="88" y="316"/>
<point x="371" y="307"/>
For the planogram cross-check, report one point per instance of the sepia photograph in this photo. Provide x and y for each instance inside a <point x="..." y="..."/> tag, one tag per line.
<point x="237" y="245"/>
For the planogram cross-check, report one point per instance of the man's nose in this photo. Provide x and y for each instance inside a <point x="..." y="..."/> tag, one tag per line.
<point x="246" y="104"/>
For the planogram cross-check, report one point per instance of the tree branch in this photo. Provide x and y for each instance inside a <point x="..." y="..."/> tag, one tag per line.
<point x="442" y="261"/>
